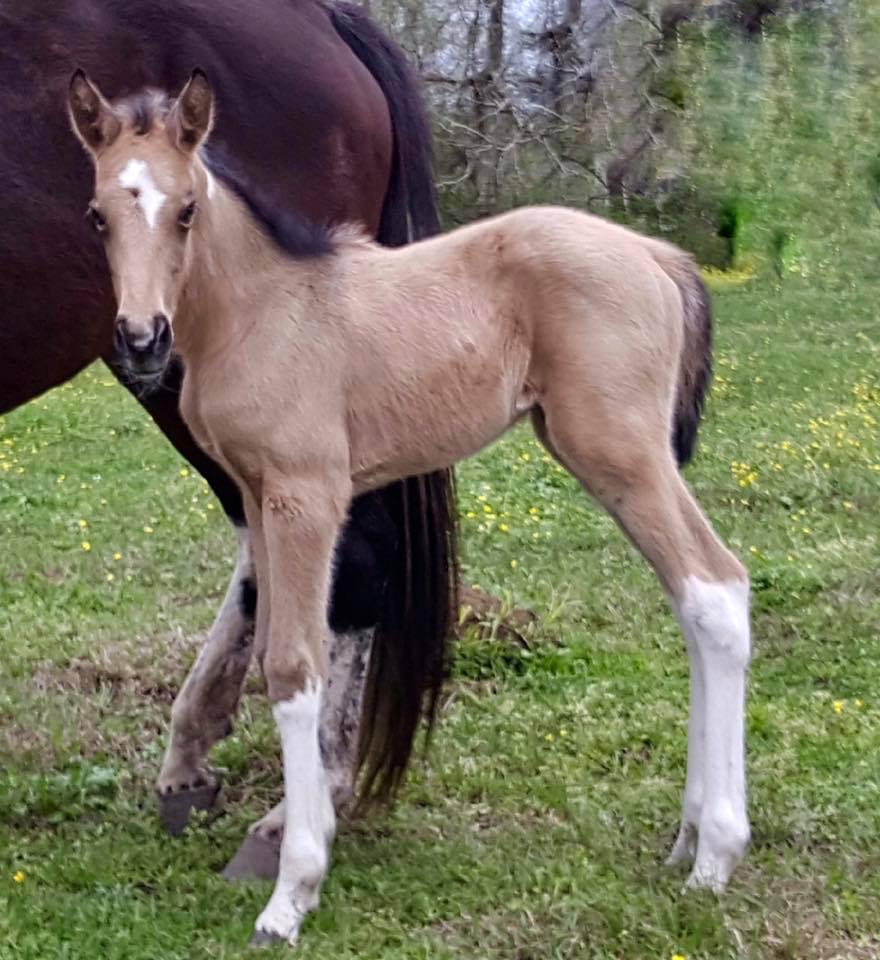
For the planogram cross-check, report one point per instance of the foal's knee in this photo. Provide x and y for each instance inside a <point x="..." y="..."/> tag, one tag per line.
<point x="715" y="616"/>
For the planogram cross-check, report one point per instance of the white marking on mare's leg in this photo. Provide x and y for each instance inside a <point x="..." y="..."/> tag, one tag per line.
<point x="137" y="176"/>
<point x="203" y="708"/>
<point x="309" y="820"/>
<point x="715" y="619"/>
<point x="341" y="710"/>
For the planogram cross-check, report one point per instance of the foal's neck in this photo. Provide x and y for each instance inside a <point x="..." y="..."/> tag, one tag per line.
<point x="230" y="269"/>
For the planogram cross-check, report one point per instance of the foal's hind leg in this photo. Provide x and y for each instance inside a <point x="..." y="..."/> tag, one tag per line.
<point x="627" y="465"/>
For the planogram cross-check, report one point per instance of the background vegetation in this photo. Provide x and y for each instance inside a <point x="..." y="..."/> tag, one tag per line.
<point x="537" y="826"/>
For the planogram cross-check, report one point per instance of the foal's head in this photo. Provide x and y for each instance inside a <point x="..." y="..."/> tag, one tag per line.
<point x="148" y="188"/>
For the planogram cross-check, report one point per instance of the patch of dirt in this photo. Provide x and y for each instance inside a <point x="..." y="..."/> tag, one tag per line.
<point x="491" y="618"/>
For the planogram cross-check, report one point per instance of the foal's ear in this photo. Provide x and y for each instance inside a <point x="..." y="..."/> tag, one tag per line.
<point x="91" y="117"/>
<point x="191" y="117"/>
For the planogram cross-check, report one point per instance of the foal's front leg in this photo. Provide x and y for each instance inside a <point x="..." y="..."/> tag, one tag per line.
<point x="301" y="521"/>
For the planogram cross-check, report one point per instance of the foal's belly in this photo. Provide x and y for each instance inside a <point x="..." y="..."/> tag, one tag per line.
<point x="409" y="431"/>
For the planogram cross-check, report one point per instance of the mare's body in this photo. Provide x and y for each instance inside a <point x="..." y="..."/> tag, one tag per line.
<point x="335" y="131"/>
<point x="320" y="366"/>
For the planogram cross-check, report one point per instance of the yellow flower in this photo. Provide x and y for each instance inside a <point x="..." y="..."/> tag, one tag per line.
<point x="514" y="564"/>
<point x="470" y="514"/>
<point x="18" y="876"/>
<point x="678" y="956"/>
<point x="838" y="706"/>
<point x="110" y="578"/>
<point x="184" y="472"/>
<point x="548" y="737"/>
<point x="86" y="545"/>
<point x="83" y="524"/>
<point x="503" y="527"/>
<point x="117" y="555"/>
<point x="859" y="704"/>
<point x="148" y="529"/>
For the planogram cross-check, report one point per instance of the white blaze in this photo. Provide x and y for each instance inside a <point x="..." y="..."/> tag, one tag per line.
<point x="137" y="176"/>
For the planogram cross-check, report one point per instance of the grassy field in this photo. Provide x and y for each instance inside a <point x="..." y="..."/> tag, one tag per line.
<point x="537" y="827"/>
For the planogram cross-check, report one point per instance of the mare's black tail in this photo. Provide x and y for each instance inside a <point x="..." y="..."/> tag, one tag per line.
<point x="409" y="658"/>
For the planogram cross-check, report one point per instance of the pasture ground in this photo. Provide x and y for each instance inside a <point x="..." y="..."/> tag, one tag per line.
<point x="537" y="827"/>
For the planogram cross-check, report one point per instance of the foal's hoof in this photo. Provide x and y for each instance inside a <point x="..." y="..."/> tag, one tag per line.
<point x="256" y="858"/>
<point x="264" y="938"/>
<point x="174" y="808"/>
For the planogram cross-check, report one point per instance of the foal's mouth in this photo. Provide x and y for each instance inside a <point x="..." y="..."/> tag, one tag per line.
<point x="145" y="377"/>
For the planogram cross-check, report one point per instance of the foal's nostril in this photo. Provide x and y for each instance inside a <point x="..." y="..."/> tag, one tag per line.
<point x="161" y="334"/>
<point x="119" y="342"/>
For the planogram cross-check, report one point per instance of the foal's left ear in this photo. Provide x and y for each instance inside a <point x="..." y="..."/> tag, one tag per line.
<point x="191" y="117"/>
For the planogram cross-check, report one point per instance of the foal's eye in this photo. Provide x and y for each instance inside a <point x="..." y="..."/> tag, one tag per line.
<point x="187" y="215"/>
<point x="94" y="214"/>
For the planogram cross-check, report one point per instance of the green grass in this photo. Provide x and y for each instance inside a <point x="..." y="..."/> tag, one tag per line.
<point x="538" y="824"/>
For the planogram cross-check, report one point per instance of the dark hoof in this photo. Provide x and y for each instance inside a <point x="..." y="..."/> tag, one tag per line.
<point x="174" y="808"/>
<point x="257" y="858"/>
<point x="262" y="938"/>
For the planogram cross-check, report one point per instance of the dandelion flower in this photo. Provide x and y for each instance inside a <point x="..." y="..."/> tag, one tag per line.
<point x="184" y="472"/>
<point x="86" y="545"/>
<point x="838" y="706"/>
<point x="117" y="555"/>
<point x="18" y="876"/>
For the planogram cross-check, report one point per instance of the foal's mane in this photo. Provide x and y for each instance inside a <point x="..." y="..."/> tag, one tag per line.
<point x="291" y="233"/>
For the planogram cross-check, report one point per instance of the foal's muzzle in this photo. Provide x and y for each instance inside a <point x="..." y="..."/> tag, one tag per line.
<point x="143" y="349"/>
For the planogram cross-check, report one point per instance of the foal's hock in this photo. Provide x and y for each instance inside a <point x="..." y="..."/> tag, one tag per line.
<point x="316" y="376"/>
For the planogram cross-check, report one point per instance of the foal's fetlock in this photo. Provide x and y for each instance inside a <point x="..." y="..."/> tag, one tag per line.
<point x="684" y="850"/>
<point x="722" y="841"/>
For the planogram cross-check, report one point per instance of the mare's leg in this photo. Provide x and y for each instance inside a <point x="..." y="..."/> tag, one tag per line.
<point x="203" y="711"/>
<point x="302" y="517"/>
<point x="205" y="707"/>
<point x="624" y="460"/>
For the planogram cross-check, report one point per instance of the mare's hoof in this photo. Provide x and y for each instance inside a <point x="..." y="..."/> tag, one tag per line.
<point x="174" y="808"/>
<point x="257" y="857"/>
<point x="264" y="938"/>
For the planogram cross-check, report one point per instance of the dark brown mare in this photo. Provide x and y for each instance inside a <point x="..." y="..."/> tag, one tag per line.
<point x="322" y="110"/>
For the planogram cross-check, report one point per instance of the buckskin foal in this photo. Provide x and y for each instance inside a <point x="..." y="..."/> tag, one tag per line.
<point x="320" y="365"/>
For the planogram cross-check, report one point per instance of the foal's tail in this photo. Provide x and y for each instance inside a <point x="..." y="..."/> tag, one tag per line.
<point x="695" y="365"/>
<point x="408" y="663"/>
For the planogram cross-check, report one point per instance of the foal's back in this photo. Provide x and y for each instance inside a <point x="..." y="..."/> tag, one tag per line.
<point x="451" y="340"/>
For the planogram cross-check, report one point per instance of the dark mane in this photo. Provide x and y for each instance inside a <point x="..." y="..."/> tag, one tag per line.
<point x="142" y="110"/>
<point x="291" y="233"/>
